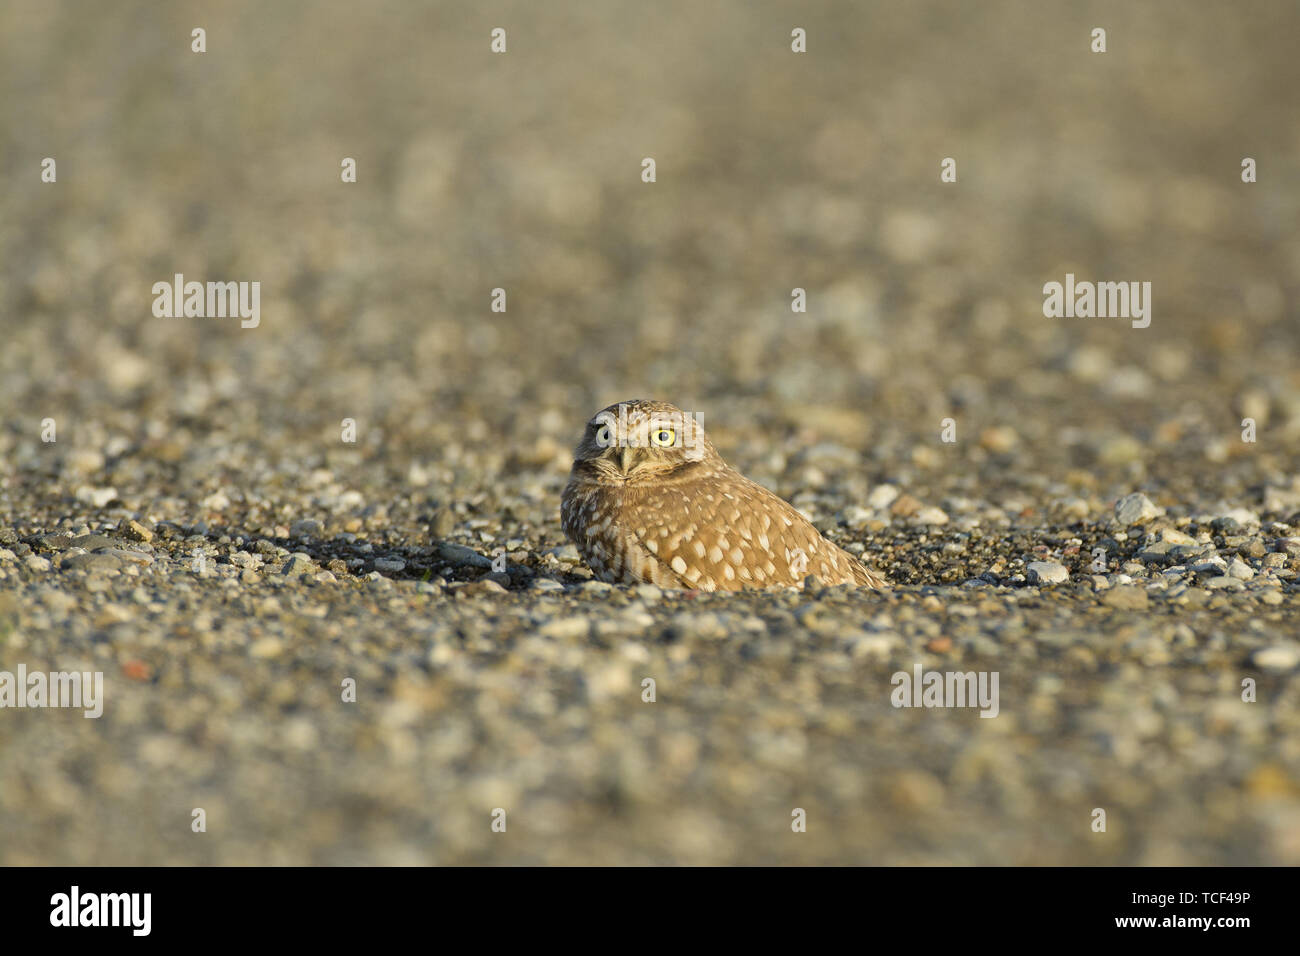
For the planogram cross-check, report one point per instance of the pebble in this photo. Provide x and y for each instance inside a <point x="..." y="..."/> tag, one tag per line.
<point x="1278" y="657"/>
<point x="93" y="542"/>
<point x="905" y="505"/>
<point x="566" y="554"/>
<point x="931" y="515"/>
<point x="1135" y="508"/>
<point x="96" y="497"/>
<point x="135" y="531"/>
<point x="443" y="523"/>
<point x="297" y="565"/>
<point x="565" y="628"/>
<point x="1239" y="569"/>
<point x="461" y="556"/>
<point x="1240" y="516"/>
<point x="481" y="586"/>
<point x="873" y="645"/>
<point x="1221" y="582"/>
<point x="129" y="556"/>
<point x="94" y="561"/>
<point x="1173" y="537"/>
<point x="701" y="626"/>
<point x="856" y="517"/>
<point x="882" y="496"/>
<point x="266" y="648"/>
<point x="648" y="592"/>
<point x="1047" y="572"/>
<point x="1126" y="598"/>
<point x="1254" y="548"/>
<point x="218" y="501"/>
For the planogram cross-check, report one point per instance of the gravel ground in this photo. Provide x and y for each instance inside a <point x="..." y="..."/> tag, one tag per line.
<point x="202" y="532"/>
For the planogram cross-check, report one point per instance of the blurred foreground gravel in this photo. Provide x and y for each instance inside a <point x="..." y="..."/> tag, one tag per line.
<point x="201" y="533"/>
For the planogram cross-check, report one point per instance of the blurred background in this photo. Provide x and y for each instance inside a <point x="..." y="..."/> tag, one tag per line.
<point x="775" y="171"/>
<point x="523" y="171"/>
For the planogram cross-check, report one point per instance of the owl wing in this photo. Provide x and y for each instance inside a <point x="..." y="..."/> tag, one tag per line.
<point x="725" y="532"/>
<point x="864" y="577"/>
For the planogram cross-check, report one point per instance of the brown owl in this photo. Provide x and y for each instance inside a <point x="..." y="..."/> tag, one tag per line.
<point x="650" y="499"/>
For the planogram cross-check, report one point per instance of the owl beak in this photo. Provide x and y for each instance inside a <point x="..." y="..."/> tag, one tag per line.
<point x="627" y="455"/>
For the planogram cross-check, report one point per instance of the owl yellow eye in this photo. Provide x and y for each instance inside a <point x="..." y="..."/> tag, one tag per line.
<point x="663" y="437"/>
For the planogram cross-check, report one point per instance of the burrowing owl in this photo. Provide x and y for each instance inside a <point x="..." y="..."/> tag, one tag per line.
<point x="649" y="499"/>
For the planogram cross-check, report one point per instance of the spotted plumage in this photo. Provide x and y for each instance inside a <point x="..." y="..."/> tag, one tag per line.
<point x="650" y="500"/>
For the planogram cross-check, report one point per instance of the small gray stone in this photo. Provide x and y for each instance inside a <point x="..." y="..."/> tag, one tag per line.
<point x="481" y="586"/>
<point x="1254" y="548"/>
<point x="882" y="496"/>
<point x="1157" y="552"/>
<point x="95" y="561"/>
<point x="1047" y="572"/>
<point x="1279" y="657"/>
<point x="391" y="565"/>
<point x="1185" y="552"/>
<point x="566" y="554"/>
<point x="461" y="556"/>
<point x="649" y="592"/>
<point x="1172" y="536"/>
<point x="1223" y="582"/>
<point x="873" y="645"/>
<point x="565" y="628"/>
<point x="855" y="516"/>
<point x="97" y="497"/>
<point x="443" y="523"/>
<point x="1126" y="598"/>
<point x="813" y="585"/>
<point x="129" y="556"/>
<point x="1135" y="509"/>
<point x="297" y="565"/>
<point x="1241" y="516"/>
<point x="931" y="515"/>
<point x="1211" y="565"/>
<point x="1239" y="569"/>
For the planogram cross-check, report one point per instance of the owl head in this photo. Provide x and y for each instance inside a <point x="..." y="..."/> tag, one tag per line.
<point x="639" y="439"/>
